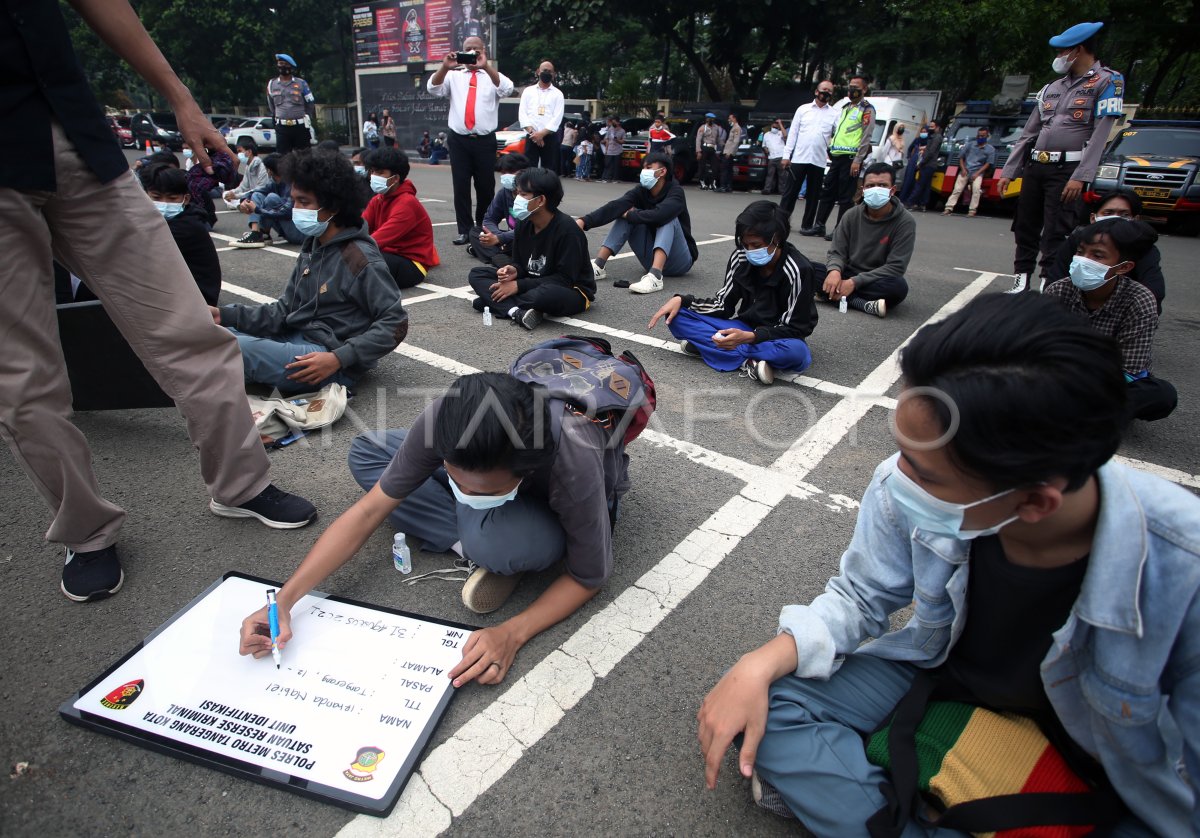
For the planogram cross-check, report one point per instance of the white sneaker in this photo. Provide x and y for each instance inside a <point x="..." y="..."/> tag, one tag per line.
<point x="1019" y="284"/>
<point x="876" y="307"/>
<point x="648" y="284"/>
<point x="598" y="272"/>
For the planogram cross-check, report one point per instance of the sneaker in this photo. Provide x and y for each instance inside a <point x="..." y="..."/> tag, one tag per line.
<point x="760" y="371"/>
<point x="530" y="318"/>
<point x="1020" y="283"/>
<point x="251" y="239"/>
<point x="471" y="250"/>
<point x="92" y="575"/>
<point x="766" y="796"/>
<point x="648" y="284"/>
<point x="274" y="507"/>
<point x="876" y="307"/>
<point x="689" y="348"/>
<point x="484" y="591"/>
<point x="598" y="272"/>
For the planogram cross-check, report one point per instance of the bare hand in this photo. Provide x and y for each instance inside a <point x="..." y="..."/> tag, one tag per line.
<point x="246" y="206"/>
<point x="732" y="338"/>
<point x="502" y="289"/>
<point x="507" y="273"/>
<point x="830" y="286"/>
<point x="737" y="704"/>
<point x="216" y="314"/>
<point x="785" y="163"/>
<point x="489" y="238"/>
<point x="313" y="367"/>
<point x="667" y="313"/>
<point x="199" y="133"/>
<point x="228" y="195"/>
<point x="846" y="288"/>
<point x="1072" y="191"/>
<point x="487" y="657"/>
<point x="1002" y="186"/>
<point x="854" y="167"/>
<point x="450" y="61"/>
<point x="256" y="633"/>
<point x="579" y="223"/>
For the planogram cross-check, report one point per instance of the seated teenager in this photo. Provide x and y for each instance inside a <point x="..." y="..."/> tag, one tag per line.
<point x="1045" y="579"/>
<point x="482" y="473"/>
<point x="167" y="187"/>
<point x="340" y="312"/>
<point x="871" y="248"/>
<point x="550" y="273"/>
<point x="1124" y="205"/>
<point x="269" y="209"/>
<point x="255" y="178"/>
<point x="759" y="319"/>
<point x="490" y="243"/>
<point x="653" y="219"/>
<point x="397" y="220"/>
<point x="364" y="177"/>
<point x="1100" y="289"/>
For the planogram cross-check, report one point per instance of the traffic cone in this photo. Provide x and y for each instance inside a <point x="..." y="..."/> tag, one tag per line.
<point x="149" y="150"/>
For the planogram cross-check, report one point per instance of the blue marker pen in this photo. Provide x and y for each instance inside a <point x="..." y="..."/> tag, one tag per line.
<point x="273" y="619"/>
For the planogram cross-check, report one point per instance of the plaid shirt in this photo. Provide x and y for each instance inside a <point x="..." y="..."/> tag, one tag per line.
<point x="1130" y="316"/>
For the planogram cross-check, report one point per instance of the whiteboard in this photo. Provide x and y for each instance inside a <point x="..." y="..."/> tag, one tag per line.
<point x="360" y="690"/>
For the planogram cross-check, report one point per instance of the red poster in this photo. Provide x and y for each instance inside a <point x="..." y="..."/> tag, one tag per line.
<point x="388" y="28"/>
<point x="438" y="30"/>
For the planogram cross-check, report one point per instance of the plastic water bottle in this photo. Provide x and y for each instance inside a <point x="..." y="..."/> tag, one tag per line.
<point x="401" y="556"/>
<point x="843" y="306"/>
<point x="487" y="316"/>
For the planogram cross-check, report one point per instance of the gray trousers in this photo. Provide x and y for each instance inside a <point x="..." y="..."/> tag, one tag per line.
<point x="522" y="535"/>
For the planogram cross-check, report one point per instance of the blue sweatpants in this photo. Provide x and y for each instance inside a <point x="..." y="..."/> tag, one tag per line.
<point x="788" y="354"/>
<point x="644" y="240"/>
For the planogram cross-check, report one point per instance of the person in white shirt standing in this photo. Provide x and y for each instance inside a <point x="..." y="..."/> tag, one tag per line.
<point x="774" y="143"/>
<point x="541" y="114"/>
<point x="474" y="92"/>
<point x="807" y="152"/>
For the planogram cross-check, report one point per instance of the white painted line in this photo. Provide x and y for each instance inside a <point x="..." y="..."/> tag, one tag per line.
<point x="445" y="224"/>
<point x="1192" y="481"/>
<point x="432" y="200"/>
<point x="226" y="249"/>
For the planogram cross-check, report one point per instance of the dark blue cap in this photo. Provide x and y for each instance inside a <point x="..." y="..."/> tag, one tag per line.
<point x="283" y="56"/>
<point x="1076" y="35"/>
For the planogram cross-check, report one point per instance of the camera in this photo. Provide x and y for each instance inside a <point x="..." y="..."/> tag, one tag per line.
<point x="467" y="58"/>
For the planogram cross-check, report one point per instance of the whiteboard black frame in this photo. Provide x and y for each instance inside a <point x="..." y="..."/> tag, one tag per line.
<point x="248" y="771"/>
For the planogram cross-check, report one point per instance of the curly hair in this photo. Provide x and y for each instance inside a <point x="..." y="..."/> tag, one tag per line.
<point x="332" y="179"/>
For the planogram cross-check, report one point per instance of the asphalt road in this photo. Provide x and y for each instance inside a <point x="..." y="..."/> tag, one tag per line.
<point x="594" y="729"/>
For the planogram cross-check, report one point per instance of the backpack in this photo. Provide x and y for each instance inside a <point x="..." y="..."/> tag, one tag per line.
<point x="613" y="391"/>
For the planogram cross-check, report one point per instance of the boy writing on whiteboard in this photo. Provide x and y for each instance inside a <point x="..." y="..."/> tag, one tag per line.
<point x="481" y="472"/>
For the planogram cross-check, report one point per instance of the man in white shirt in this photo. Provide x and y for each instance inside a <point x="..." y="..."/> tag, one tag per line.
<point x="541" y="114"/>
<point x="807" y="152"/>
<point x="474" y="92"/>
<point x="774" y="143"/>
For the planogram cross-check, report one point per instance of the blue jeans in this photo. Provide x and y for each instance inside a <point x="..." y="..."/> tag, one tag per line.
<point x="644" y="240"/>
<point x="789" y="354"/>
<point x="263" y="360"/>
<point x="273" y="203"/>
<point x="522" y="535"/>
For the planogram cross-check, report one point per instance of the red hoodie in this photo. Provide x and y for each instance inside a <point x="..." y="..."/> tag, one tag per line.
<point x="400" y="225"/>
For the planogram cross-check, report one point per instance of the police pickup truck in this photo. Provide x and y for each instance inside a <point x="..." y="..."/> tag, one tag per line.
<point x="1157" y="159"/>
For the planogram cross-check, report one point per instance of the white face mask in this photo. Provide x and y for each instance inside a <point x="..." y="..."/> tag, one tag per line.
<point x="168" y="211"/>
<point x="379" y="184"/>
<point x="1062" y="63"/>
<point x="648" y="178"/>
<point x="1088" y="274"/>
<point x="876" y="196"/>
<point x="508" y="181"/>
<point x="482" y="501"/>
<point x="937" y="516"/>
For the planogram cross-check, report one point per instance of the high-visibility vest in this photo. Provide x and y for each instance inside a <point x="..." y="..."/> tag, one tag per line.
<point x="848" y="135"/>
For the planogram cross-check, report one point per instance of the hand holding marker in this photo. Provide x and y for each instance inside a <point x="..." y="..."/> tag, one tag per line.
<point x="273" y="619"/>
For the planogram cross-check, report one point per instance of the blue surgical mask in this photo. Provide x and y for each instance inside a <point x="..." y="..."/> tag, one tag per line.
<point x="937" y="516"/>
<point x="759" y="256"/>
<point x="306" y="222"/>
<point x="360" y="170"/>
<point x="648" y="178"/>
<point x="923" y="135"/>
<point x="379" y="184"/>
<point x="482" y="501"/>
<point x="187" y="152"/>
<point x="508" y="182"/>
<point x="168" y="211"/>
<point x="1088" y="274"/>
<point x="876" y="196"/>
<point x="981" y="141"/>
<point x="520" y="208"/>
<point x="242" y="156"/>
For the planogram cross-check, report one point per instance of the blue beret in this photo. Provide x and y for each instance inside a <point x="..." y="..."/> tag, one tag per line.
<point x="1076" y="35"/>
<point x="710" y="115"/>
<point x="285" y="57"/>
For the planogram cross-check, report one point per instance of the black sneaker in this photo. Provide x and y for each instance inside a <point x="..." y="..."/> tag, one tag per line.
<point x="254" y="238"/>
<point x="471" y="250"/>
<point x="689" y="348"/>
<point x="276" y="508"/>
<point x="92" y="575"/>
<point x="530" y="318"/>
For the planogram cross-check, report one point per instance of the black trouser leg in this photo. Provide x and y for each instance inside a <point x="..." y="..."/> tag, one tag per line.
<point x="1151" y="399"/>
<point x="550" y="151"/>
<point x="404" y="271"/>
<point x="1042" y="222"/>
<point x="489" y="254"/>
<point x="461" y="163"/>
<point x="555" y="300"/>
<point x="832" y="190"/>
<point x="789" y="187"/>
<point x="727" y="171"/>
<point x="814" y="177"/>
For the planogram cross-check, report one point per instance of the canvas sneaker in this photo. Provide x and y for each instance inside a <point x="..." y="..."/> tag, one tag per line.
<point x="484" y="591"/>
<point x="254" y="238"/>
<point x="648" y="284"/>
<point x="1020" y="283"/>
<point x="92" y="574"/>
<point x="530" y="318"/>
<point x="876" y="307"/>
<point x="760" y="371"/>
<point x="272" y="506"/>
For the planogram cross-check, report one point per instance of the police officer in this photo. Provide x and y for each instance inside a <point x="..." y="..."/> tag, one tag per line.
<point x="289" y="99"/>
<point x="1058" y="151"/>
<point x="849" y="147"/>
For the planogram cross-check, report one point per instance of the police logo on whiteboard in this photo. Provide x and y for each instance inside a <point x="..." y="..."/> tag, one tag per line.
<point x="362" y="770"/>
<point x="124" y="695"/>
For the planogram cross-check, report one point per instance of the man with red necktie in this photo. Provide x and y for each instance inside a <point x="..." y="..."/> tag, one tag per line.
<point x="474" y="91"/>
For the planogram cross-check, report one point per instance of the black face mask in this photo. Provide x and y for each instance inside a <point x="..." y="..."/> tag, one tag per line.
<point x="284" y="70"/>
<point x="546" y="77"/>
<point x="824" y="95"/>
<point x="855" y="93"/>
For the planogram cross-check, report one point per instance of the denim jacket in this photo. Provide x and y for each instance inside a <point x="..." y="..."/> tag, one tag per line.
<point x="1123" y="673"/>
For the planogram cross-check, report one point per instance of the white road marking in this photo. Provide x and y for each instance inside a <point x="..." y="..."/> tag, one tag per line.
<point x="445" y="223"/>
<point x="1192" y="481"/>
<point x="222" y="237"/>
<point x="432" y="200"/>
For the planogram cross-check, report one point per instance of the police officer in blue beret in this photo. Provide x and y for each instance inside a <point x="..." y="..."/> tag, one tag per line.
<point x="1060" y="148"/>
<point x="290" y="100"/>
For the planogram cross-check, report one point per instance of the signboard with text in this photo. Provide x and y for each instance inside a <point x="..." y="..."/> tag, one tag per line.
<point x="414" y="31"/>
<point x="344" y="719"/>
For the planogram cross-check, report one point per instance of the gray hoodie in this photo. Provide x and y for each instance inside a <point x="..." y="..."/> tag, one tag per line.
<point x="341" y="296"/>
<point x="866" y="249"/>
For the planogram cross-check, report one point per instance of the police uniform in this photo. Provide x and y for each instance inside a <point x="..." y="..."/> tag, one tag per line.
<point x="1062" y="141"/>
<point x="289" y="102"/>
<point x="850" y="144"/>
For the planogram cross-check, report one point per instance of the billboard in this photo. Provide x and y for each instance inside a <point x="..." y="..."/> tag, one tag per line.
<point x="414" y="31"/>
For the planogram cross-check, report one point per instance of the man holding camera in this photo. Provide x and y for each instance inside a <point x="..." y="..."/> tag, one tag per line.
<point x="474" y="88"/>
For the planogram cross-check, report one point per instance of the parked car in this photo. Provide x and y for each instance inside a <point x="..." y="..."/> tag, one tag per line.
<point x="749" y="161"/>
<point x="159" y="128"/>
<point x="261" y="129"/>
<point x="121" y="130"/>
<point x="1160" y="161"/>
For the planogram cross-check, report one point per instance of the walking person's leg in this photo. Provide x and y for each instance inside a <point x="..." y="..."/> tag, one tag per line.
<point x="960" y="183"/>
<point x="976" y="194"/>
<point x="814" y="183"/>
